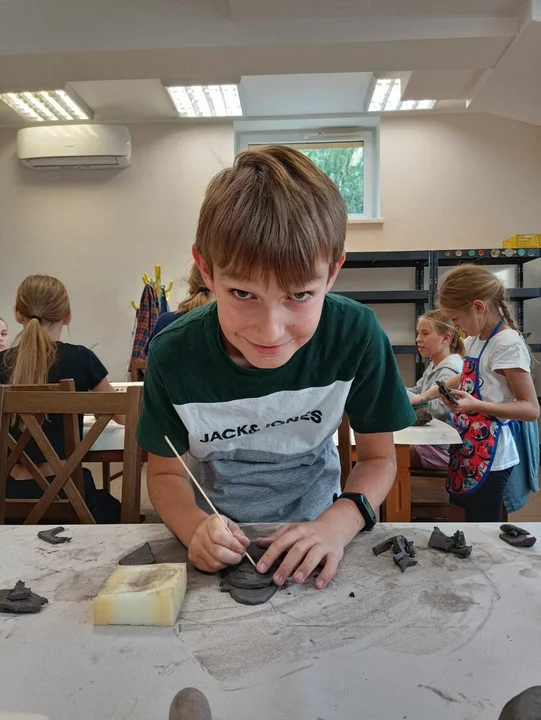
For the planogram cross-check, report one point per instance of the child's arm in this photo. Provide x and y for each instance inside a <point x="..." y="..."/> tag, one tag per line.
<point x="433" y="393"/>
<point x="525" y="407"/>
<point x="308" y="544"/>
<point x="210" y="546"/>
<point x="105" y="386"/>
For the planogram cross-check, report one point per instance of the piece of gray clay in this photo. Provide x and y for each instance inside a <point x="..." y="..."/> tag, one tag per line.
<point x="142" y="556"/>
<point x="422" y="417"/>
<point x="190" y="704"/>
<point x="455" y="544"/>
<point x="51" y="536"/>
<point x="525" y="706"/>
<point x="245" y="584"/>
<point x="250" y="596"/>
<point x="516" y="536"/>
<point x="403" y="551"/>
<point x="20" y="599"/>
<point x="514" y="530"/>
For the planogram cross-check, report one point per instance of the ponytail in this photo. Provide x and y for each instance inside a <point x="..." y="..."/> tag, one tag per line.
<point x="197" y="295"/>
<point x="507" y="314"/>
<point x="30" y="361"/>
<point x="457" y="345"/>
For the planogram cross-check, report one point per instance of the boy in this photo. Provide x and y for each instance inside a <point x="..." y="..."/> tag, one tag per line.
<point x="255" y="384"/>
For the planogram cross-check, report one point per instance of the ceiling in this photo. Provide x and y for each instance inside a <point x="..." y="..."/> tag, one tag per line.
<point x="294" y="58"/>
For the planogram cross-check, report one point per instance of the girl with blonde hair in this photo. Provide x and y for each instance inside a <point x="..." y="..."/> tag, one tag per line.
<point x="198" y="295"/>
<point x="437" y="339"/>
<point x="494" y="388"/>
<point x="38" y="356"/>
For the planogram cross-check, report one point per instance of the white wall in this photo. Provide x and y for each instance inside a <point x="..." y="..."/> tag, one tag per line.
<point x="447" y="181"/>
<point x="99" y="231"/>
<point x="454" y="181"/>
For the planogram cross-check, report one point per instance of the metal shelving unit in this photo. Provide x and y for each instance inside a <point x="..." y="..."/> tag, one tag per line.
<point x="421" y="261"/>
<point x="424" y="261"/>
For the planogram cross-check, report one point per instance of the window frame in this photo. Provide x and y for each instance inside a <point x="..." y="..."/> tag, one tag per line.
<point x="368" y="136"/>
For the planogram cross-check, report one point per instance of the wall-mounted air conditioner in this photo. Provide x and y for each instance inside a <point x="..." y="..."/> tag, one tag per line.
<point x="74" y="147"/>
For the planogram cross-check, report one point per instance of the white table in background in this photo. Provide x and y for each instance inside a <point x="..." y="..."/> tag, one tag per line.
<point x="449" y="639"/>
<point x="109" y="448"/>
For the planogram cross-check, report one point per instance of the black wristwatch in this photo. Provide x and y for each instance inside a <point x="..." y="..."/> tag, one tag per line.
<point x="363" y="505"/>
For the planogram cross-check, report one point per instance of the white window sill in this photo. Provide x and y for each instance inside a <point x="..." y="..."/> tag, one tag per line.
<point x="366" y="221"/>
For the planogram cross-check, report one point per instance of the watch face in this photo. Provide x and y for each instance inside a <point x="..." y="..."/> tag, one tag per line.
<point x="368" y="508"/>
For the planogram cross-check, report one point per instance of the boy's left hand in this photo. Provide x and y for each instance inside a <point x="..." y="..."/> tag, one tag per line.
<point x="464" y="402"/>
<point x="307" y="545"/>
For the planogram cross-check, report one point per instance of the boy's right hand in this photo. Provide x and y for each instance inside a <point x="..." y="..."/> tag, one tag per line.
<point x="212" y="546"/>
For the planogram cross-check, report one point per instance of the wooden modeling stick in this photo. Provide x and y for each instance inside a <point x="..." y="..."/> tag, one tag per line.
<point x="203" y="493"/>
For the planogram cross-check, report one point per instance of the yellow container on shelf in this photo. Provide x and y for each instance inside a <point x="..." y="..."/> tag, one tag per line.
<point x="523" y="241"/>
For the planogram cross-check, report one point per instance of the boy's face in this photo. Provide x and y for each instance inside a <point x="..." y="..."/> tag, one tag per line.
<point x="262" y="325"/>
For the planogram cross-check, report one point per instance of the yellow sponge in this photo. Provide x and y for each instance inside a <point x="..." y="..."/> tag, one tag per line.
<point x="141" y="595"/>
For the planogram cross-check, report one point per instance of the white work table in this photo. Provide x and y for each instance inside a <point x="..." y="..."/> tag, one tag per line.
<point x="449" y="639"/>
<point x="109" y="448"/>
<point x="435" y="432"/>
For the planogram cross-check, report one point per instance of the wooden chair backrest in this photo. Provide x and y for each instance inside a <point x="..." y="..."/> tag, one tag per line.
<point x="16" y="508"/>
<point x="137" y="370"/>
<point x="33" y="405"/>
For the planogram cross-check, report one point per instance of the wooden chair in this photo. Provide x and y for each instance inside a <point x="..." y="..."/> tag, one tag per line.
<point x="31" y="406"/>
<point x="429" y="497"/>
<point x="137" y="370"/>
<point x="430" y="500"/>
<point x="60" y="509"/>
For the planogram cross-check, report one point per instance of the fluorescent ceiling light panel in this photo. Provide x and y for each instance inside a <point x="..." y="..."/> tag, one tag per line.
<point x="195" y="101"/>
<point x="386" y="98"/>
<point x="45" y="105"/>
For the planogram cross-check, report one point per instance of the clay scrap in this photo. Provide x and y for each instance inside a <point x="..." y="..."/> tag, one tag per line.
<point x="245" y="584"/>
<point x="446" y="391"/>
<point x="20" y="599"/>
<point x="516" y="536"/>
<point x="422" y="416"/>
<point x="455" y="544"/>
<point x="141" y="556"/>
<point x="403" y="551"/>
<point x="51" y="536"/>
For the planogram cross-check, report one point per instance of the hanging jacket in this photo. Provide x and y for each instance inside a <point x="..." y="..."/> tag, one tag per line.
<point x="164" y="305"/>
<point x="147" y="317"/>
<point x="524" y="478"/>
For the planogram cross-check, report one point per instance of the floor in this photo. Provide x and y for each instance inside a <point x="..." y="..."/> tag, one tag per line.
<point x="530" y="513"/>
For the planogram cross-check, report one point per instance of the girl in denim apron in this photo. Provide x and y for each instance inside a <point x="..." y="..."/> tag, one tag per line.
<point x="494" y="388"/>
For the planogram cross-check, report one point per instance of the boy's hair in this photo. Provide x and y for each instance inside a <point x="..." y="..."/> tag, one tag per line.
<point x="273" y="213"/>
<point x="466" y="283"/>
<point x="443" y="325"/>
<point x="43" y="300"/>
<point x="197" y="295"/>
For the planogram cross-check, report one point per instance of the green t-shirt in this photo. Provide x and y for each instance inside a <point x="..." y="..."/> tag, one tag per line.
<point x="260" y="442"/>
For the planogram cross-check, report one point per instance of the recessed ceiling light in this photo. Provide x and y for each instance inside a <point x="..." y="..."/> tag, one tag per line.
<point x="386" y="98"/>
<point x="45" y="105"/>
<point x="206" y="100"/>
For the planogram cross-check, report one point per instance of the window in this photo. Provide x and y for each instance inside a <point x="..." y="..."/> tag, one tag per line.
<point x="349" y="161"/>
<point x="343" y="162"/>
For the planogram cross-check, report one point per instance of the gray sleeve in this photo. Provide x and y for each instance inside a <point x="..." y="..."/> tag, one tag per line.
<point x="417" y="389"/>
<point x="436" y="407"/>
